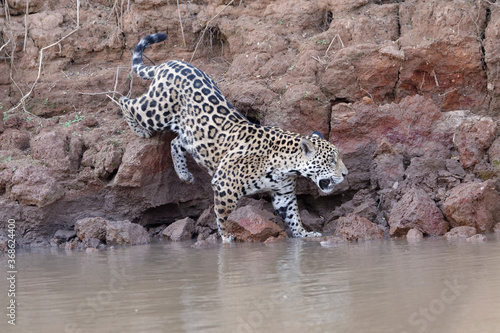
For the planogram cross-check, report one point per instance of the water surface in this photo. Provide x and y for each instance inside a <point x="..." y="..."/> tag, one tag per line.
<point x="293" y="286"/>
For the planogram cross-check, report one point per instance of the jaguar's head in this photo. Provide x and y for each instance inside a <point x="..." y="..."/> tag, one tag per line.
<point x="323" y="164"/>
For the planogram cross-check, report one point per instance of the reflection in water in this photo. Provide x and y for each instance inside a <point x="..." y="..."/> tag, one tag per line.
<point x="293" y="286"/>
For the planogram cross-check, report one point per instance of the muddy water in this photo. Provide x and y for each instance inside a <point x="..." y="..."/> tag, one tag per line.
<point x="294" y="286"/>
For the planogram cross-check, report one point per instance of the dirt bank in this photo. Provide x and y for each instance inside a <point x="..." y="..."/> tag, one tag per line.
<point x="408" y="90"/>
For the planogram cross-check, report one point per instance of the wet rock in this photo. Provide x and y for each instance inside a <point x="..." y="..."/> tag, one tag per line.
<point x="357" y="228"/>
<point x="72" y="245"/>
<point x="126" y="232"/>
<point x="276" y="239"/>
<point x="207" y="222"/>
<point x="476" y="239"/>
<point x="251" y="224"/>
<point x="473" y="204"/>
<point x="496" y="228"/>
<point x="208" y="241"/>
<point x="460" y="233"/>
<point x="332" y="241"/>
<point x="414" y="235"/>
<point x="93" y="243"/>
<point x="91" y="228"/>
<point x="65" y="235"/>
<point x="473" y="138"/>
<point x="362" y="204"/>
<point x="180" y="230"/>
<point x="416" y="210"/>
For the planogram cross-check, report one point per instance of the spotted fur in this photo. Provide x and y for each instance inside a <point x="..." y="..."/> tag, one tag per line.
<point x="243" y="158"/>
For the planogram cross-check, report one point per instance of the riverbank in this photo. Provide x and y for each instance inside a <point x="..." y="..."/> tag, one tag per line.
<point x="408" y="92"/>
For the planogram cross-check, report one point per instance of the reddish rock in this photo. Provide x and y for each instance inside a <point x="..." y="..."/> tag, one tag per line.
<point x="207" y="219"/>
<point x="416" y="210"/>
<point x="126" y="233"/>
<point x="473" y="204"/>
<point x="143" y="162"/>
<point x="460" y="233"/>
<point x="52" y="149"/>
<point x="251" y="224"/>
<point x="354" y="72"/>
<point x="387" y="169"/>
<point x="413" y="127"/>
<point x="180" y="230"/>
<point x="473" y="138"/>
<point x="91" y="227"/>
<point x="14" y="139"/>
<point x="302" y="109"/>
<point x="105" y="159"/>
<point x="494" y="154"/>
<point x="492" y="59"/>
<point x="357" y="228"/>
<point x="441" y="57"/>
<point x="33" y="185"/>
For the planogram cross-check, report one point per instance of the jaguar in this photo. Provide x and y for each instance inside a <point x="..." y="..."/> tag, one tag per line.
<point x="242" y="157"/>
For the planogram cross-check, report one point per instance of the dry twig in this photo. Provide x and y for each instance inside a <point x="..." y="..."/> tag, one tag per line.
<point x="4" y="45"/>
<point x="40" y="60"/>
<point x="180" y="20"/>
<point x="26" y="25"/>
<point x="335" y="37"/>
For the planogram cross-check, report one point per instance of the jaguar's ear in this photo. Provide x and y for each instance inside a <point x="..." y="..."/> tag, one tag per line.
<point x="307" y="148"/>
<point x="317" y="134"/>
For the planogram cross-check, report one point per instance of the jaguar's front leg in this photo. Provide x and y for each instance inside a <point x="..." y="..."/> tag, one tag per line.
<point x="180" y="162"/>
<point x="285" y="203"/>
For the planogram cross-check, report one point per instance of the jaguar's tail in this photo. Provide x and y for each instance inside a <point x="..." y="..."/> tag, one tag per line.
<point x="145" y="72"/>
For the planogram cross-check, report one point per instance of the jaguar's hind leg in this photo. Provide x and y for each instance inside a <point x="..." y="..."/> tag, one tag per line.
<point x="180" y="162"/>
